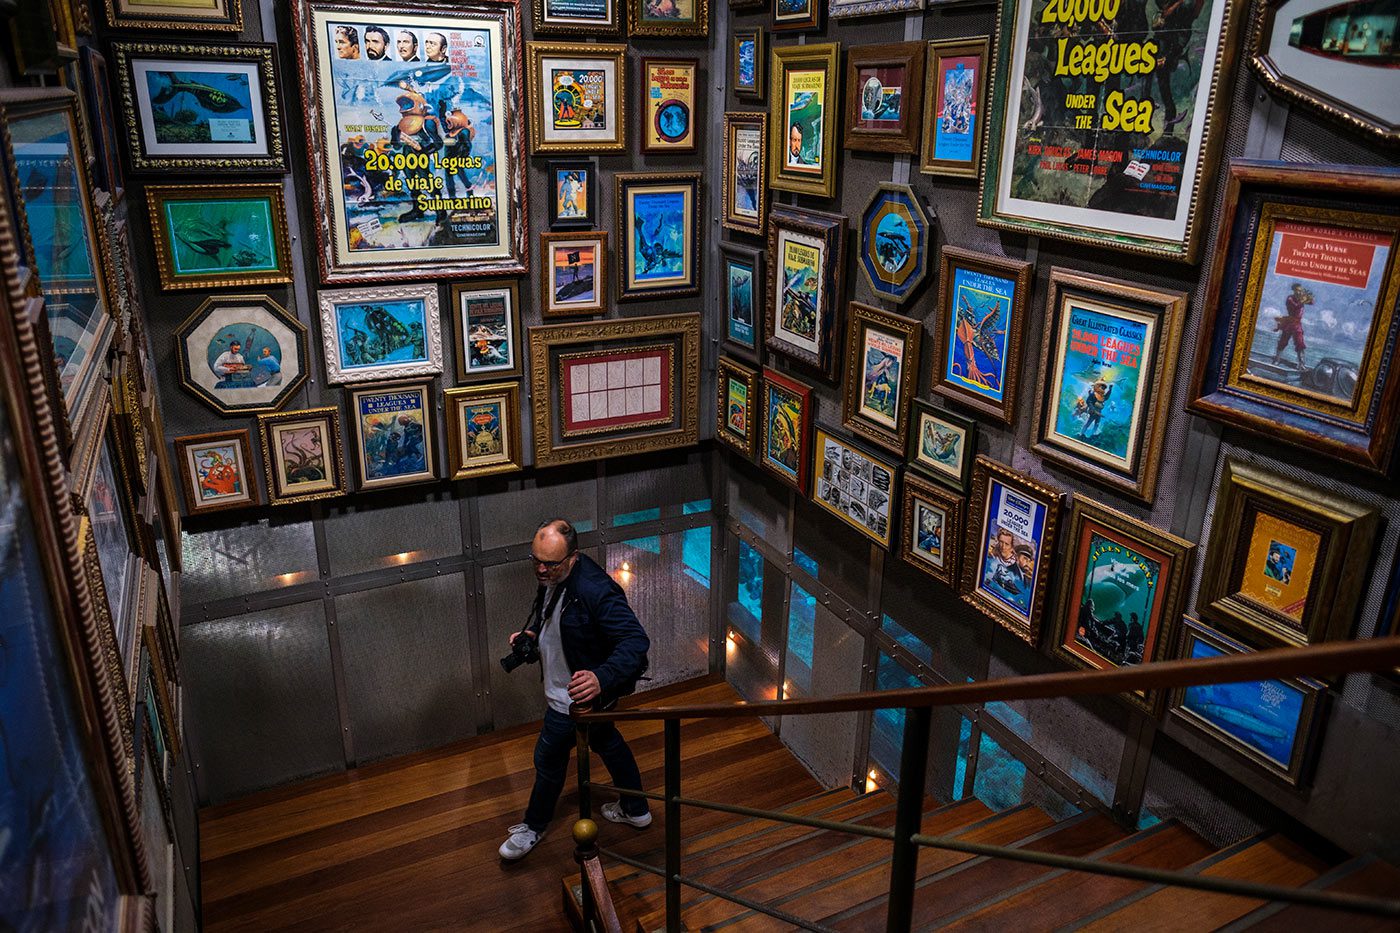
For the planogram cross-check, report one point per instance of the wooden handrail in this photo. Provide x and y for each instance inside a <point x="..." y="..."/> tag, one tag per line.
<point x="1312" y="661"/>
<point x="602" y="897"/>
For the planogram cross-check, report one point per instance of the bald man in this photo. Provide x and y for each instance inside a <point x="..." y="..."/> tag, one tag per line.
<point x="593" y="651"/>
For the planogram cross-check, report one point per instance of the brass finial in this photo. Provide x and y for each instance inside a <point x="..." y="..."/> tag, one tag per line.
<point x="585" y="832"/>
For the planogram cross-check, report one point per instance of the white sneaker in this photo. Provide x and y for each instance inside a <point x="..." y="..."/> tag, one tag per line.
<point x="613" y="813"/>
<point x="521" y="840"/>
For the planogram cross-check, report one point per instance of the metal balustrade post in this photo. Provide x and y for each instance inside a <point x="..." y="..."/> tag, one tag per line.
<point x="585" y="830"/>
<point x="908" y="819"/>
<point x="673" y="824"/>
<point x="585" y="796"/>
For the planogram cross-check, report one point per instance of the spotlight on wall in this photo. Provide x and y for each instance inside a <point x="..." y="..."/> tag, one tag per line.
<point x="729" y="643"/>
<point x="403" y="557"/>
<point x="287" y="579"/>
<point x="871" y="782"/>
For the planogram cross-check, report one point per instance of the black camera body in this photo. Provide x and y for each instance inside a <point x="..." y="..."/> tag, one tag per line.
<point x="524" y="650"/>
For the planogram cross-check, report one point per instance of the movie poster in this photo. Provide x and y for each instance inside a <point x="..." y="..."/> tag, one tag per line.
<point x="414" y="138"/>
<point x="1265" y="715"/>
<point x="955" y="124"/>
<point x="798" y="318"/>
<point x="976" y="342"/>
<point x="804" y="95"/>
<point x="1014" y="525"/>
<point x="391" y="434"/>
<point x="1116" y="617"/>
<point x="669" y="106"/>
<point x="882" y="360"/>
<point x="1104" y="122"/>
<point x="784" y="436"/>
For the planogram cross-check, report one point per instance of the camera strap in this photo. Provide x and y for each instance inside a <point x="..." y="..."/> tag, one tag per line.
<point x="540" y="613"/>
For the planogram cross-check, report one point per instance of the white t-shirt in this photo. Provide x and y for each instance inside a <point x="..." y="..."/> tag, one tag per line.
<point x="556" y="668"/>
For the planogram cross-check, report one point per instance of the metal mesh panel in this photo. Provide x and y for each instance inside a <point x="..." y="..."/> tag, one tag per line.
<point x="936" y="616"/>
<point x="260" y="698"/>
<point x="841" y="553"/>
<point x="1310" y="138"/>
<point x="186" y="818"/>
<point x="155" y="835"/>
<point x="662" y="480"/>
<point x="262" y="555"/>
<point x="511" y="510"/>
<point x="825" y="743"/>
<point x="759" y="504"/>
<point x="672" y="604"/>
<point x="1180" y="787"/>
<point x="389" y="530"/>
<point x="408" y="674"/>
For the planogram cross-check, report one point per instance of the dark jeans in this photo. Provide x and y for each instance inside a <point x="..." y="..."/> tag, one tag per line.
<point x="557" y="739"/>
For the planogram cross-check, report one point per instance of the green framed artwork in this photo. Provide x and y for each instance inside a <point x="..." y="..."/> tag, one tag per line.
<point x="1110" y="142"/>
<point x="882" y="373"/>
<point x="302" y="455"/>
<point x="735" y="403"/>
<point x="804" y="118"/>
<point x="1121" y="595"/>
<point x="1107" y="368"/>
<point x="483" y="430"/>
<point x="392" y="427"/>
<point x="219" y="236"/>
<point x="942" y="444"/>
<point x="658" y="252"/>
<point x="933" y="528"/>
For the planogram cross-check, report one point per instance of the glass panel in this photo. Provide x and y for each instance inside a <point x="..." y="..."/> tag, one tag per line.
<point x="887" y="730"/>
<point x="251" y="558"/>
<point x="804" y="560"/>
<point x="840" y="555"/>
<point x="747" y="615"/>
<point x="964" y="746"/>
<point x="695" y="554"/>
<point x="1001" y="778"/>
<point x="696" y="507"/>
<point x="390" y="531"/>
<point x="672" y="606"/>
<point x="802" y="621"/>
<point x="109" y="530"/>
<point x="907" y="639"/>
<point x="633" y="518"/>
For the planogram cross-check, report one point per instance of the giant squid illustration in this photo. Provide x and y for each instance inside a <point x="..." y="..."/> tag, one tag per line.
<point x="303" y="461"/>
<point x="977" y="329"/>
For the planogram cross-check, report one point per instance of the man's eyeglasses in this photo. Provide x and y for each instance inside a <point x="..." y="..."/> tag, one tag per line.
<point x="550" y="564"/>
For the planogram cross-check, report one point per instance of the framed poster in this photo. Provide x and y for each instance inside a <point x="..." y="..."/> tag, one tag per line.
<point x="1302" y="311"/>
<point x="669" y="19"/>
<point x="219" y="235"/>
<point x="393" y="435"/>
<point x="894" y="240"/>
<point x="1286" y="563"/>
<point x="487" y="318"/>
<point x="1121" y="594"/>
<point x="176" y="15"/>
<point x="1149" y="143"/>
<point x="613" y="388"/>
<point x="786" y="410"/>
<point x="578" y="97"/>
<point x="855" y="486"/>
<point x="741" y="271"/>
<point x="956" y="99"/>
<point x="884" y="93"/>
<point x="981" y="315"/>
<point x="794" y="15"/>
<point x="748" y="52"/>
<point x="573" y="200"/>
<point x="744" y="182"/>
<point x="1274" y="726"/>
<point x="437" y="80"/>
<point x="380" y="333"/>
<point x="659" y="218"/>
<point x="99" y="97"/>
<point x="242" y="353"/>
<point x="669" y="104"/>
<point x="932" y="529"/>
<point x="808" y="256"/>
<point x="217" y="470"/>
<point x="201" y="107"/>
<point x="942" y="444"/>
<point x="736" y="398"/>
<point x="1009" y="547"/>
<point x="573" y="273"/>
<point x="1336" y="58"/>
<point x="882" y="372"/>
<point x="483" y="430"/>
<point x="301" y="455"/>
<point x="1107" y="367"/>
<point x="803" y="117"/>
<point x="576" y="17"/>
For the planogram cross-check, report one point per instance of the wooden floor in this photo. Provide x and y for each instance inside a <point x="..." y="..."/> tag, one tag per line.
<point x="410" y="844"/>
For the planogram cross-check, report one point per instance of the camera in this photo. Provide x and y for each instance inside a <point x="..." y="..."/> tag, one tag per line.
<point x="523" y="650"/>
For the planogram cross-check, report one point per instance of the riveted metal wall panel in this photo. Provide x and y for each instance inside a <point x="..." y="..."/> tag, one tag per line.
<point x="759" y="503"/>
<point x="388" y="530"/>
<point x="826" y="744"/>
<point x="672" y="600"/>
<point x="251" y="557"/>
<point x="511" y="509"/>
<point x="665" y="480"/>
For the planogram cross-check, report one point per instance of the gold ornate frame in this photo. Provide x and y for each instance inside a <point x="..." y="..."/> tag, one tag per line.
<point x="335" y="456"/>
<point x="623" y="184"/>
<point x="601" y="262"/>
<point x="726" y="369"/>
<point x="157" y="196"/>
<point x="237" y="436"/>
<point x="821" y="434"/>
<point x="820" y="55"/>
<point x="230" y="21"/>
<point x="536" y="54"/>
<point x="954" y="506"/>
<point x="512" y="458"/>
<point x="424" y="391"/>
<point x="860" y="319"/>
<point x="733" y="120"/>
<point x="698" y="28"/>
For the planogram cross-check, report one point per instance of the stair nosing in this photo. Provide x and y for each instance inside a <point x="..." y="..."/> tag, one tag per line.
<point x="1325" y="880"/>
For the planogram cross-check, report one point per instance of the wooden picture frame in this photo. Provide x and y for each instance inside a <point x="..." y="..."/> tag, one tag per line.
<point x="585" y="255"/>
<point x="882" y="374"/>
<point x="744" y="182"/>
<point x="743" y="282"/>
<point x="653" y="210"/>
<point x="570" y="180"/>
<point x="1290" y="713"/>
<point x="844" y="9"/>
<point x="1010" y="536"/>
<point x="1297" y="240"/>
<point x="1108" y="345"/>
<point x="932" y="528"/>
<point x="670" y="111"/>
<point x="976" y="293"/>
<point x="220" y="236"/>
<point x="748" y="56"/>
<point x="1286" y="563"/>
<point x="217" y="471"/>
<point x="268" y="366"/>
<point x="444" y="217"/>
<point x="855" y="485"/>
<point x="614" y="388"/>
<point x="380" y="333"/>
<point x="1119" y="565"/>
<point x="736" y="396"/>
<point x="604" y="19"/>
<point x="803" y="117"/>
<point x="797" y="15"/>
<point x="567" y="125"/>
<point x="895" y="234"/>
<point x="807" y="260"/>
<point x="786" y="439"/>
<point x="230" y="117"/>
<point x="884" y="95"/>
<point x="302" y="457"/>
<point x="97" y="85"/>
<point x="955" y="107"/>
<point x="483" y="430"/>
<point x="191" y="16"/>
<point x="486" y="318"/>
<point x="942" y="444"/>
<point x="668" y="19"/>
<point x="392" y="428"/>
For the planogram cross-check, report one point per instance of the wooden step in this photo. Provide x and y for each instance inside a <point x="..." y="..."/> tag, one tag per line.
<point x="1268" y="860"/>
<point x="1367" y="875"/>
<point x="1057" y="898"/>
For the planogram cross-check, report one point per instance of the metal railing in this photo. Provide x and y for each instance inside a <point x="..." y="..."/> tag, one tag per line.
<point x="1316" y="660"/>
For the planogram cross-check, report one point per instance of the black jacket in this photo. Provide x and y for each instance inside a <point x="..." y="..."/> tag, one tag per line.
<point x="599" y="631"/>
